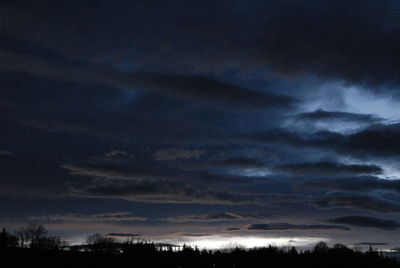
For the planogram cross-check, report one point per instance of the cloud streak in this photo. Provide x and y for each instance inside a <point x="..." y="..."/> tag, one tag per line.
<point x="328" y="169"/>
<point x="358" y="201"/>
<point x="78" y="217"/>
<point x="364" y="221"/>
<point x="322" y="115"/>
<point x="227" y="216"/>
<point x="187" y="86"/>
<point x="281" y="226"/>
<point x="174" y="154"/>
<point x="377" y="140"/>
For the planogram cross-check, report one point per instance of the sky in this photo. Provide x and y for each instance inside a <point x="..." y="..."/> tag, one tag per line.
<point x="204" y="122"/>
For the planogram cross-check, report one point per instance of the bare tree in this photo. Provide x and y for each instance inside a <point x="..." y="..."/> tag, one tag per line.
<point x="98" y="242"/>
<point x="31" y="235"/>
<point x="34" y="233"/>
<point x="93" y="239"/>
<point x="35" y="236"/>
<point x="20" y="235"/>
<point x="51" y="242"/>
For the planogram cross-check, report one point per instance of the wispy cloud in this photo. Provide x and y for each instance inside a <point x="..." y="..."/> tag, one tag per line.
<point x="79" y="217"/>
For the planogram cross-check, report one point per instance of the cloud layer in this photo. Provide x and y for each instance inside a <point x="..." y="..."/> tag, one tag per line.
<point x="194" y="116"/>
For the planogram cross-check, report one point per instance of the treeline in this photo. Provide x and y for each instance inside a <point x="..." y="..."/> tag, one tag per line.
<point x="33" y="249"/>
<point x="34" y="236"/>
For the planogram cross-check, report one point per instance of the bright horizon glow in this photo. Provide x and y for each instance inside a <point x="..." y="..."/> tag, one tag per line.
<point x="221" y="242"/>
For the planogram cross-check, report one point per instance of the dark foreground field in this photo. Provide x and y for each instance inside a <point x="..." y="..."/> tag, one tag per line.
<point x="147" y="255"/>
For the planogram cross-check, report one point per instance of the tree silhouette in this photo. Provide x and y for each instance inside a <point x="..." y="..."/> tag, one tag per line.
<point x="97" y="242"/>
<point x="7" y="240"/>
<point x="45" y="251"/>
<point x="321" y="247"/>
<point x="35" y="236"/>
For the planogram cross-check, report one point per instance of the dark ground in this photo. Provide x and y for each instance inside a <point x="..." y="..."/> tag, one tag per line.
<point x="148" y="256"/>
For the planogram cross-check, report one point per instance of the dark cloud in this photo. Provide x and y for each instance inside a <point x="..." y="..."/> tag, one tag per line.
<point x="371" y="244"/>
<point x="79" y="217"/>
<point x="320" y="139"/>
<point x="327" y="169"/>
<point x="358" y="201"/>
<point x="189" y="86"/>
<point x="149" y="184"/>
<point x="242" y="162"/>
<point x="174" y="154"/>
<point x="106" y="172"/>
<point x="289" y="226"/>
<point x="227" y="216"/>
<point x="350" y="40"/>
<point x="152" y="180"/>
<point x="206" y="88"/>
<point x="162" y="191"/>
<point x="346" y="40"/>
<point x="122" y="235"/>
<point x="322" y="115"/>
<point x="195" y="235"/>
<point x="364" y="221"/>
<point x="147" y="171"/>
<point x="377" y="140"/>
<point x="232" y="229"/>
<point x="355" y="183"/>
